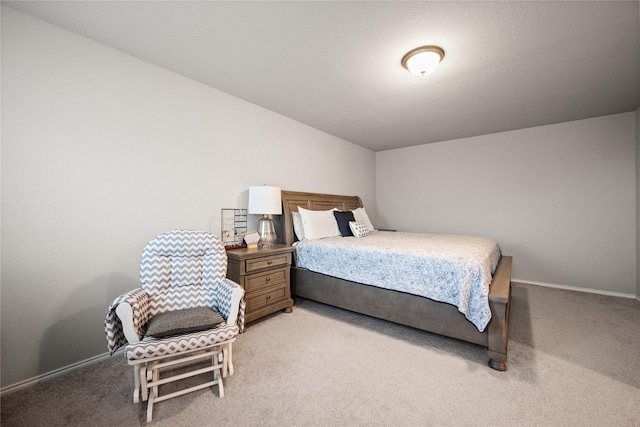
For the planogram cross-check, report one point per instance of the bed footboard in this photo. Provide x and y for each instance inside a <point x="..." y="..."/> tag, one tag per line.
<point x="500" y="303"/>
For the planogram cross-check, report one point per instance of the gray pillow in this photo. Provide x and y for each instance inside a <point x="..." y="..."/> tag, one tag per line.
<point x="183" y="322"/>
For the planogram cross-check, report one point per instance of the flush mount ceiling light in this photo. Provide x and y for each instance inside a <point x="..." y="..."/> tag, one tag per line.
<point x="422" y="61"/>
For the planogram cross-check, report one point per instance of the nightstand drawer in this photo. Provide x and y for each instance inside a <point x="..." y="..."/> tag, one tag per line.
<point x="261" y="263"/>
<point x="256" y="302"/>
<point x="256" y="281"/>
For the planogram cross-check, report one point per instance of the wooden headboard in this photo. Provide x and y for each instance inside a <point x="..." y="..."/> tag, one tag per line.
<point x="313" y="201"/>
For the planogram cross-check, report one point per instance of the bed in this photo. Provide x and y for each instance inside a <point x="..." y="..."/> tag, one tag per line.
<point x="396" y="306"/>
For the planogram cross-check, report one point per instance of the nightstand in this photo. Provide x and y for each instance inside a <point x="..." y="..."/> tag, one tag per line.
<point x="265" y="276"/>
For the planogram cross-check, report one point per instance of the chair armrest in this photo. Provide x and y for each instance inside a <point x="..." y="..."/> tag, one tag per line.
<point x="125" y="313"/>
<point x="229" y="297"/>
<point x="126" y="319"/>
<point x="236" y="297"/>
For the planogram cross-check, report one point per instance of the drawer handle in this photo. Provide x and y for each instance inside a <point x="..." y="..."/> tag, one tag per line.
<point x="268" y="297"/>
<point x="268" y="278"/>
<point x="269" y="262"/>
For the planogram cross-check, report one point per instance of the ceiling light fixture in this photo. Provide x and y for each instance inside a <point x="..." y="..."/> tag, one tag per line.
<point x="422" y="61"/>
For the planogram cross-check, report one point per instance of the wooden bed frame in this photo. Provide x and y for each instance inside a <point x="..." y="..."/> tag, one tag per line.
<point x="399" y="307"/>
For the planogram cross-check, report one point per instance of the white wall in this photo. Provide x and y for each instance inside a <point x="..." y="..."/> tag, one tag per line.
<point x="101" y="152"/>
<point x="560" y="198"/>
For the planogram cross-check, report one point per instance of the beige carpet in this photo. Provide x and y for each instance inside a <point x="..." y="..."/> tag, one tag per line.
<point x="574" y="360"/>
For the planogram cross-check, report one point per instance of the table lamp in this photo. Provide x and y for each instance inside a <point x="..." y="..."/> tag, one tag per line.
<point x="265" y="200"/>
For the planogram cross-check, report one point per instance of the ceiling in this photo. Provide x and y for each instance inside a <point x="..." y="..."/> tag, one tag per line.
<point x="335" y="66"/>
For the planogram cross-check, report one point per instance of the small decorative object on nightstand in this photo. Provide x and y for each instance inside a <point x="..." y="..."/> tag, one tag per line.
<point x="264" y="273"/>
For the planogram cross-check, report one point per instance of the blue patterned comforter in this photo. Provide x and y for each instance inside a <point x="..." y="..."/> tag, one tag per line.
<point x="446" y="268"/>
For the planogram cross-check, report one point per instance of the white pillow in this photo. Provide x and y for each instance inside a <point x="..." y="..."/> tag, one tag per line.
<point x="359" y="229"/>
<point x="361" y="216"/>
<point x="318" y="224"/>
<point x="298" y="228"/>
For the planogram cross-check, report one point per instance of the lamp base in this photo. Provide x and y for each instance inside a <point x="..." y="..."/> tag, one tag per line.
<point x="267" y="232"/>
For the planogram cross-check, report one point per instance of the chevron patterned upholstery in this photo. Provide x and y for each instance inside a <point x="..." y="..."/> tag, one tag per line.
<point x="171" y="263"/>
<point x="139" y="302"/>
<point x="151" y="347"/>
<point x="178" y="263"/>
<point x="179" y="269"/>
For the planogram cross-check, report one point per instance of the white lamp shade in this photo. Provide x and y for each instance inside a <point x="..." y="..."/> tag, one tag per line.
<point x="265" y="200"/>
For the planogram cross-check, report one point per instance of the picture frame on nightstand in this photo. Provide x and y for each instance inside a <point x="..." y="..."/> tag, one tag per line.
<point x="233" y="227"/>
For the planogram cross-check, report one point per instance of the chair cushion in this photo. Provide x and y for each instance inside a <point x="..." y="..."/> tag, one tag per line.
<point x="186" y="271"/>
<point x="151" y="347"/>
<point x="183" y="322"/>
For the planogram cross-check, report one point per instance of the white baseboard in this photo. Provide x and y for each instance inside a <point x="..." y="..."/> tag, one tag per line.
<point x="61" y="371"/>
<point x="575" y="288"/>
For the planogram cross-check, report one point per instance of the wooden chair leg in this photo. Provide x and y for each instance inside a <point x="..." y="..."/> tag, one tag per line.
<point x="230" y="358"/>
<point x="218" y="379"/>
<point x="154" y="372"/>
<point x="136" y="384"/>
<point x="150" y="408"/>
<point x="223" y="360"/>
<point x="143" y="381"/>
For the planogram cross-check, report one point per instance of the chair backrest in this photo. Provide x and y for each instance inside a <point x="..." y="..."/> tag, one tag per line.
<point x="181" y="269"/>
